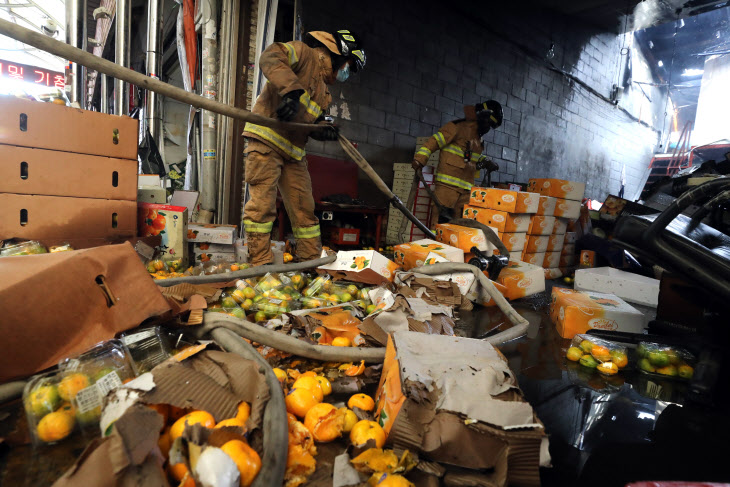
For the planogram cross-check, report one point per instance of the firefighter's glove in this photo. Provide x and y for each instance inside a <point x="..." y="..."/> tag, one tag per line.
<point x="289" y="106"/>
<point x="416" y="165"/>
<point x="488" y="164"/>
<point x="328" y="132"/>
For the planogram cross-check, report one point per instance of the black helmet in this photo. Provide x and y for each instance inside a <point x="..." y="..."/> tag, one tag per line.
<point x="493" y="109"/>
<point x="350" y="46"/>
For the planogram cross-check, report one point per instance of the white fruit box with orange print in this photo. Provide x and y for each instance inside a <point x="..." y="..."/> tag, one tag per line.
<point x="464" y="238"/>
<point x="521" y="279"/>
<point x="464" y="280"/>
<point x="558" y="188"/>
<point x="514" y="242"/>
<point x="552" y="259"/>
<point x="501" y="220"/>
<point x="504" y="200"/>
<point x="567" y="209"/>
<point x="541" y="225"/>
<point x="427" y="385"/>
<point x="546" y="206"/>
<point x="413" y="254"/>
<point x="560" y="227"/>
<point x="536" y="243"/>
<point x="555" y="244"/>
<point x="366" y="266"/>
<point x="211" y="233"/>
<point x="534" y="258"/>
<point x="570" y="237"/>
<point x="575" y="312"/>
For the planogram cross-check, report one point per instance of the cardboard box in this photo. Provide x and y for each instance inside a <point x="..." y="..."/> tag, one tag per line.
<point x="168" y="221"/>
<point x="567" y="260"/>
<point x="463" y="238"/>
<point x="514" y="242"/>
<point x="541" y="225"/>
<point x="413" y="254"/>
<point x="626" y="285"/>
<point x="501" y="220"/>
<point x="553" y="273"/>
<point x="560" y="227"/>
<point x="558" y="188"/>
<point x="201" y="247"/>
<point x="568" y="249"/>
<point x="207" y="380"/>
<point x="536" y="243"/>
<point x="522" y="279"/>
<point x="567" y="209"/>
<point x="552" y="259"/>
<point x="210" y="233"/>
<point x="504" y="200"/>
<point x="587" y="258"/>
<point x="52" y="173"/>
<point x="426" y="391"/>
<point x="534" y="258"/>
<point x="546" y="206"/>
<point x="366" y="266"/>
<point x="75" y="289"/>
<point x="151" y="194"/>
<point x="207" y="256"/>
<point x="28" y="123"/>
<point x="570" y="237"/>
<point x="575" y="312"/>
<point x="39" y="217"/>
<point x="555" y="243"/>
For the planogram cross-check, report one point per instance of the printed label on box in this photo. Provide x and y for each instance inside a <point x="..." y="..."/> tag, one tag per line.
<point x="502" y="221"/>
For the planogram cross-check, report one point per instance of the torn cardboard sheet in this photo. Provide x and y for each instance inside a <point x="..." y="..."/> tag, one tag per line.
<point x="408" y="314"/>
<point x="424" y="406"/>
<point x="94" y="294"/>
<point x="435" y="291"/>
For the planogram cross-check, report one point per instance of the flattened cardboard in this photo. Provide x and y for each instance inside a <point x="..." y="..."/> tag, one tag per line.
<point x="66" y="282"/>
<point x="64" y="217"/>
<point x="52" y="173"/>
<point x="501" y="220"/>
<point x="366" y="266"/>
<point x="29" y="123"/>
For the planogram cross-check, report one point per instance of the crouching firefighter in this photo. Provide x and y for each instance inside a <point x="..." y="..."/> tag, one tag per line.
<point x="461" y="147"/>
<point x="298" y="75"/>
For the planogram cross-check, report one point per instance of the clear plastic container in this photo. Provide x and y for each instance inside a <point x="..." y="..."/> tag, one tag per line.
<point x="270" y="282"/>
<point x="24" y="248"/>
<point x="93" y="374"/>
<point x="664" y="361"/>
<point x="147" y="347"/>
<point x="604" y="356"/>
<point x="274" y="307"/>
<point x="51" y="418"/>
<point x="60" y="248"/>
<point x="317" y="285"/>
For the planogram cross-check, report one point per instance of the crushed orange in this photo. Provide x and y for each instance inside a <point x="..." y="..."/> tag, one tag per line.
<point x="164" y="443"/>
<point x="362" y="401"/>
<point x="245" y="458"/>
<point x="299" y="401"/>
<point x="196" y="417"/>
<point x="163" y="409"/>
<point x="341" y="342"/>
<point x="244" y="411"/>
<point x="356" y="370"/>
<point x="231" y="422"/>
<point x="325" y="422"/>
<point x="367" y="430"/>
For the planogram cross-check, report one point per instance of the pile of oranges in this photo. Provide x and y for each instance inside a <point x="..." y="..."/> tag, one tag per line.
<point x="246" y="459"/>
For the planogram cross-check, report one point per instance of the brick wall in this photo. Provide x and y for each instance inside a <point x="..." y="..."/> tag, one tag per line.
<point x="426" y="62"/>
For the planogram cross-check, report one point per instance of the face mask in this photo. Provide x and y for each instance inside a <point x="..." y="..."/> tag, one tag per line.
<point x="343" y="73"/>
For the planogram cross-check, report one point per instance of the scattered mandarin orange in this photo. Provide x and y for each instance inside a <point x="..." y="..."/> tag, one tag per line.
<point x="362" y="401"/>
<point x="245" y="458"/>
<point x="196" y="417"/>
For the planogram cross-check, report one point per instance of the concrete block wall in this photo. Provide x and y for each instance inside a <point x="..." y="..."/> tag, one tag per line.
<point x="426" y="61"/>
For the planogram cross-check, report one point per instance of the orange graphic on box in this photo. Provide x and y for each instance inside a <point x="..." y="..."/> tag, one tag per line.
<point x="501" y="220"/>
<point x="574" y="312"/>
<point x="504" y="200"/>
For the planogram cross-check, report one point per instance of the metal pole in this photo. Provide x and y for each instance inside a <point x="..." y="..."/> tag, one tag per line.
<point x="121" y="55"/>
<point x="104" y="94"/>
<point x="209" y="78"/>
<point x="76" y="36"/>
<point x="154" y="66"/>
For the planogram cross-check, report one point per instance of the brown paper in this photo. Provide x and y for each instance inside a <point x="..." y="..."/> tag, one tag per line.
<point x="210" y="380"/>
<point x="436" y="292"/>
<point x="57" y="305"/>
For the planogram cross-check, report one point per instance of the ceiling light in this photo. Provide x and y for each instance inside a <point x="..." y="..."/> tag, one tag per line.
<point x="660" y="63"/>
<point x="693" y="72"/>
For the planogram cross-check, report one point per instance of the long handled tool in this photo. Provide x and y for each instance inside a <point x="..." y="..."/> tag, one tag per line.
<point x="445" y="214"/>
<point x="91" y="61"/>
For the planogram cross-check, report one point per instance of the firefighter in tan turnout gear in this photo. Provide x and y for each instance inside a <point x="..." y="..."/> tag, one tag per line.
<point x="298" y="75"/>
<point x="461" y="155"/>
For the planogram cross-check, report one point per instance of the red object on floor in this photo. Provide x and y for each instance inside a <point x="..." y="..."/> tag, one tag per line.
<point x="675" y="484"/>
<point x="345" y="236"/>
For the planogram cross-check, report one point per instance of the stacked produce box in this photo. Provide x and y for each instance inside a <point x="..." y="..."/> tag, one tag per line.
<point x="68" y="175"/>
<point x="509" y="212"/>
<point x="561" y="201"/>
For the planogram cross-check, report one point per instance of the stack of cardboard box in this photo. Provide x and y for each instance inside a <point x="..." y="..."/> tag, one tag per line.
<point x="561" y="200"/>
<point x="509" y="212"/>
<point x="214" y="243"/>
<point x="67" y="175"/>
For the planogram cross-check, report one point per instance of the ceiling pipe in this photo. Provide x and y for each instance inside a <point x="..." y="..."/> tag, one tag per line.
<point x="155" y="23"/>
<point x="121" y="55"/>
